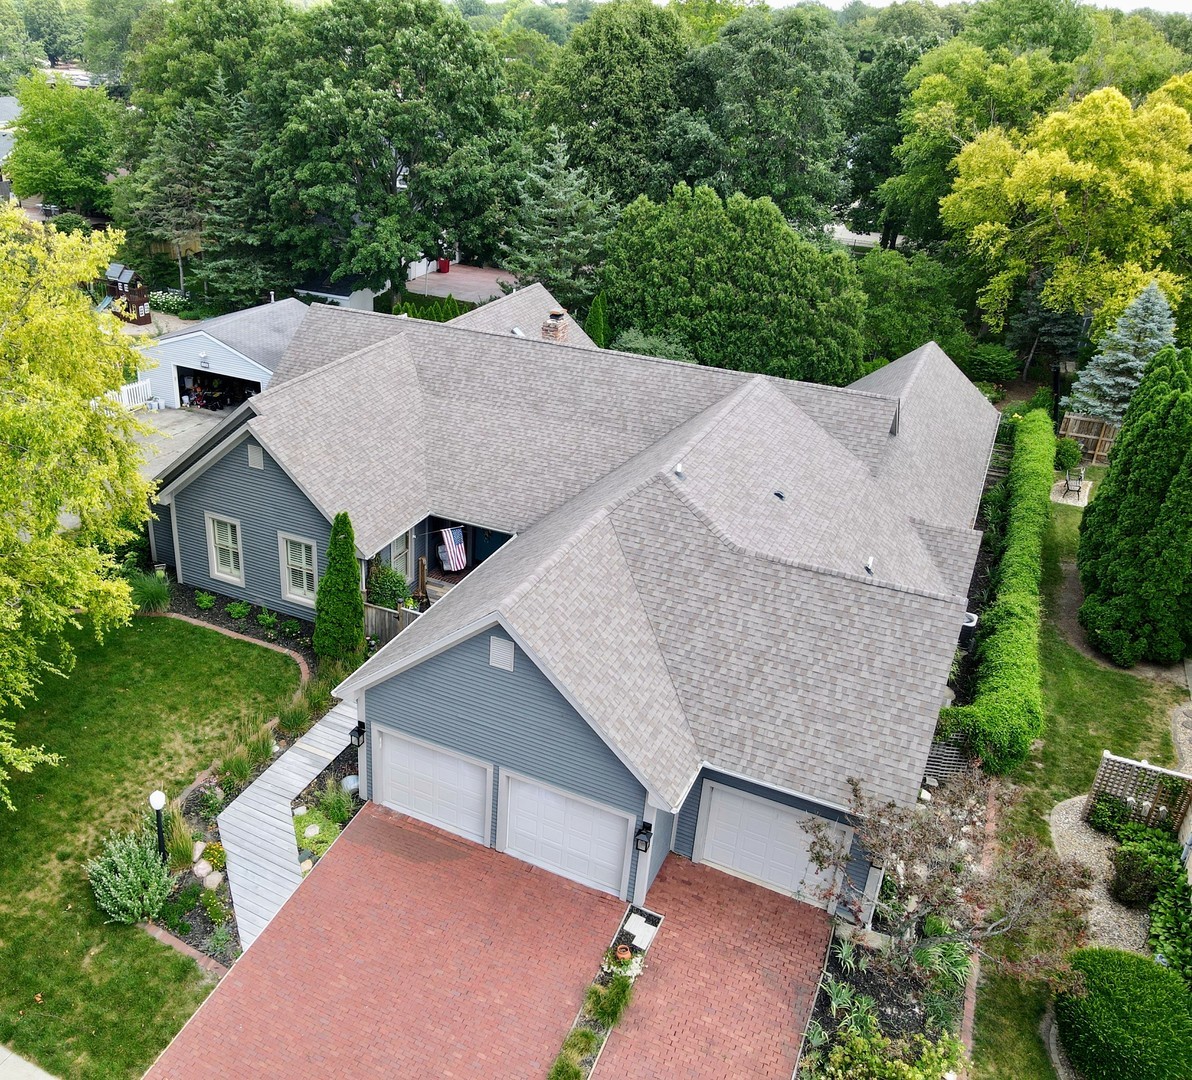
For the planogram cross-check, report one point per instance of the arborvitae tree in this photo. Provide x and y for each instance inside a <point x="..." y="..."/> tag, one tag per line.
<point x="339" y="603"/>
<point x="1133" y="548"/>
<point x="1104" y="387"/>
<point x="559" y="229"/>
<point x="596" y="324"/>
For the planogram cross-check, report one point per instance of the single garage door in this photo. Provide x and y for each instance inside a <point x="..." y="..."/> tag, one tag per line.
<point x="436" y="786"/>
<point x="763" y="841"/>
<point x="569" y="836"/>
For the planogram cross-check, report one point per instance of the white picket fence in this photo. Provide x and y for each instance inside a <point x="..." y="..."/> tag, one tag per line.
<point x="133" y="395"/>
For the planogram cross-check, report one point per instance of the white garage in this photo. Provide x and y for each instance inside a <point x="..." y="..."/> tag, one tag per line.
<point x="437" y="786"/>
<point x="760" y="840"/>
<point x="578" y="839"/>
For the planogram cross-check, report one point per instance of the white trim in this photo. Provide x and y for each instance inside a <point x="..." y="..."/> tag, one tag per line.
<point x="214" y="455"/>
<point x="379" y="785"/>
<point x="214" y="340"/>
<point x="873" y="885"/>
<point x="365" y="756"/>
<point x="284" y="564"/>
<point x="650" y="817"/>
<point x="701" y="829"/>
<point x="816" y="800"/>
<point x="212" y="562"/>
<point x="406" y="571"/>
<point x="502" y="838"/>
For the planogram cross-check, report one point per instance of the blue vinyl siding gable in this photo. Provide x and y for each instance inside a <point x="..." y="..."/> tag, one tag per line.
<point x="265" y="502"/>
<point x="516" y="720"/>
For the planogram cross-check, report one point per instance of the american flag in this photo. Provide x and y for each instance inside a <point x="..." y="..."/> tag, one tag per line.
<point x="453" y="541"/>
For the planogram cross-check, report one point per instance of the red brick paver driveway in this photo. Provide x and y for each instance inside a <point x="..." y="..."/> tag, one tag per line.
<point x="729" y="982"/>
<point x="406" y="953"/>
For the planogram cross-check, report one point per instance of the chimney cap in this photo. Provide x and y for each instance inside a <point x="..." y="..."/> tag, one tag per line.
<point x="557" y="314"/>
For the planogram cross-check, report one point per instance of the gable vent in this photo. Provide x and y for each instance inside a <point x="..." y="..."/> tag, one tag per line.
<point x="500" y="653"/>
<point x="256" y="459"/>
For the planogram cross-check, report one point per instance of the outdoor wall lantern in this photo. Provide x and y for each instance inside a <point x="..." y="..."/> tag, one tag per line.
<point x="357" y="734"/>
<point x="641" y="839"/>
<point x="157" y="803"/>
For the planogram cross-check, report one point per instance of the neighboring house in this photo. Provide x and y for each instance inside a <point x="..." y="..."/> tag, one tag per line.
<point x="229" y="358"/>
<point x="349" y="292"/>
<point x="701" y="599"/>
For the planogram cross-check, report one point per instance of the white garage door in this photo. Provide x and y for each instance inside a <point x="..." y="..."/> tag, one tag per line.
<point x="436" y="786"/>
<point x="569" y="836"/>
<point x="763" y="841"/>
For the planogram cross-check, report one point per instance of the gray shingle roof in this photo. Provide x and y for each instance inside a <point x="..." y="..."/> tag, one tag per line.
<point x="330" y="333"/>
<point x="261" y="333"/>
<point x="526" y="309"/>
<point x="696" y="620"/>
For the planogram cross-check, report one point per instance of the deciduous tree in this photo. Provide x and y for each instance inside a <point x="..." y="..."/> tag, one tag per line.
<point x="64" y="448"/>
<point x="19" y="53"/>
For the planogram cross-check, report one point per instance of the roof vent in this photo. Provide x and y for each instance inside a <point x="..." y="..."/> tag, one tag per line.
<point x="500" y="653"/>
<point x="869" y="566"/>
<point x="679" y="470"/>
<point x="517" y="331"/>
<point x="780" y="496"/>
<point x="256" y="459"/>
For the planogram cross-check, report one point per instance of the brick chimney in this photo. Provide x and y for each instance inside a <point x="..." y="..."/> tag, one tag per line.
<point x="555" y="327"/>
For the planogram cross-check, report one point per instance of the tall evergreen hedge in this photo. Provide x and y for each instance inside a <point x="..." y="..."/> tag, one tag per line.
<point x="339" y="603"/>
<point x="1006" y="713"/>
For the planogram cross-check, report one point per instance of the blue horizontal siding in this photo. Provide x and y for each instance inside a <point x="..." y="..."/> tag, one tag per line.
<point x="163" y="535"/>
<point x="664" y="823"/>
<point x="516" y="720"/>
<point x="265" y="502"/>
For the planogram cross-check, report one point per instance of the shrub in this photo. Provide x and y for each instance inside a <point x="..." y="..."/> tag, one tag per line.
<point x="129" y="880"/>
<point x="1006" y="713"/>
<point x="220" y="941"/>
<point x="1068" y="454"/>
<point x="565" y="1068"/>
<point x="874" y="1056"/>
<point x="605" y="1004"/>
<point x="172" y="303"/>
<point x="150" y="592"/>
<point x="294" y="718"/>
<point x="1042" y="399"/>
<point x="339" y="605"/>
<point x="204" y="601"/>
<point x="215" y="855"/>
<point x="238" y="610"/>
<point x="582" y="1042"/>
<point x="322" y="840"/>
<point x="216" y="910"/>
<point x="1134" y="1018"/>
<point x="990" y="363"/>
<point x="1171" y="928"/>
<point x="291" y="627"/>
<point x="1146" y="863"/>
<point x="266" y="619"/>
<point x="211" y="802"/>
<point x="179" y="842"/>
<point x="334" y="802"/>
<point x="386" y="587"/>
<point x="1108" y="814"/>
<point x="235" y="768"/>
<point x="72" y="223"/>
<point x="174" y="912"/>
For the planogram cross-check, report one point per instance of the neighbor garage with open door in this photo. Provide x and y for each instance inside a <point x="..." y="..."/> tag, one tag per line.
<point x="761" y="840"/>
<point x="437" y="786"/>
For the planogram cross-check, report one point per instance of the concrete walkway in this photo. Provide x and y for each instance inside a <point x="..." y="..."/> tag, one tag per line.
<point x="15" y="1067"/>
<point x="257" y="829"/>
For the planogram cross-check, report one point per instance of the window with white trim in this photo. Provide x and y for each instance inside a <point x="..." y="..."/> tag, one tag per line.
<point x="223" y="549"/>
<point x="299" y="576"/>
<point x="399" y="555"/>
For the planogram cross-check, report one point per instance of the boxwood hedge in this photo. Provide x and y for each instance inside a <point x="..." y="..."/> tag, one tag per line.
<point x="1006" y="713"/>
<point x="1134" y="1018"/>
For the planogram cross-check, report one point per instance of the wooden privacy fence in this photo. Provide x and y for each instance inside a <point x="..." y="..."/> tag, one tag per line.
<point x="1095" y="436"/>
<point x="1152" y="795"/>
<point x="384" y="624"/>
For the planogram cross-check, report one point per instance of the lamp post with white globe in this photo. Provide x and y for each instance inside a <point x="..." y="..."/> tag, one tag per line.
<point x="157" y="801"/>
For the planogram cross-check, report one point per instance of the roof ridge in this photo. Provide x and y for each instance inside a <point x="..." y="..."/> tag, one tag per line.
<point x="274" y="389"/>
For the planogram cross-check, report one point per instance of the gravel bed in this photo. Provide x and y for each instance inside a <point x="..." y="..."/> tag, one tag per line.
<point x="1110" y="924"/>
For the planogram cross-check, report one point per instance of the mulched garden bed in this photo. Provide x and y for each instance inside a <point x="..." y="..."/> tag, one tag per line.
<point x="312" y="796"/>
<point x="182" y="601"/>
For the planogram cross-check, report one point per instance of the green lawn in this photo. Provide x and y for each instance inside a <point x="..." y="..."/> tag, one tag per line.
<point x="1089" y="708"/>
<point x="149" y="708"/>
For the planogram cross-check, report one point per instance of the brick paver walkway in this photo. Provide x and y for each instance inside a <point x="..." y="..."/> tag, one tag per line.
<point x="405" y="953"/>
<point x="729" y="982"/>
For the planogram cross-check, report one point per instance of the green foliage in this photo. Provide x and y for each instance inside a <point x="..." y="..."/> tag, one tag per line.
<point x="596" y="324"/>
<point x="174" y="911"/>
<point x="235" y="769"/>
<point x="582" y="1042"/>
<point x="1068" y="454"/>
<point x="558" y="228"/>
<point x="179" y="841"/>
<point x="1171" y="928"/>
<point x="1006" y="714"/>
<point x="150" y="593"/>
<point x="266" y="619"/>
<point x="1144" y="867"/>
<point x="1063" y="27"/>
<point x="211" y="802"/>
<point x="386" y="587"/>
<point x="634" y="341"/>
<point x="64" y="147"/>
<point x="1108" y="814"/>
<point x="605" y="1004"/>
<point x="565" y="1068"/>
<point x="339" y="604"/>
<point x="108" y="34"/>
<point x="291" y="627"/>
<point x="56" y="25"/>
<point x="322" y="840"/>
<point x="220" y="941"/>
<point x="214" y="854"/>
<point x="989" y="362"/>
<point x="215" y="908"/>
<point x="19" y="53"/>
<point x="334" y="803"/>
<point x="1134" y="1018"/>
<point x="129" y="880"/>
<point x="874" y="1056"/>
<point x="293" y="719"/>
<point x="238" y="610"/>
<point x="737" y="285"/>
<point x="71" y="223"/>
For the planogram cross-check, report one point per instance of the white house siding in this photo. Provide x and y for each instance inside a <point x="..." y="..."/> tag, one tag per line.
<point x="184" y="351"/>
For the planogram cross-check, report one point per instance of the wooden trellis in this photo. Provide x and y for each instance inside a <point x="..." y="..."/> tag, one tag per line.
<point x="1152" y="795"/>
<point x="1095" y="436"/>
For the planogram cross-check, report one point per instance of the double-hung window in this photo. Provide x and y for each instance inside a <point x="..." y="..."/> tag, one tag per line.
<point x="299" y="574"/>
<point x="224" y="556"/>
